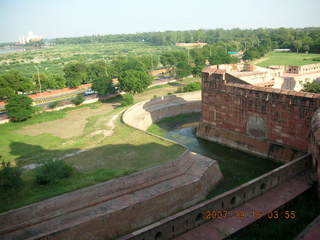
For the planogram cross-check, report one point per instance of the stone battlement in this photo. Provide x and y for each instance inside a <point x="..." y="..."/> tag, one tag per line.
<point x="266" y="121"/>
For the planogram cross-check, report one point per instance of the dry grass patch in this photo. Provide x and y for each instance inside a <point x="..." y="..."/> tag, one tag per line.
<point x="70" y="126"/>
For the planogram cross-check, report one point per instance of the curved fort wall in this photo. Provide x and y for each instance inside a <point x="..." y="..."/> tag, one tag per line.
<point x="122" y="205"/>
<point x="266" y="121"/>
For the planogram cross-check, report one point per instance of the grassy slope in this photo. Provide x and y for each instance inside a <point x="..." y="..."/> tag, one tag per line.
<point x="276" y="58"/>
<point x="126" y="151"/>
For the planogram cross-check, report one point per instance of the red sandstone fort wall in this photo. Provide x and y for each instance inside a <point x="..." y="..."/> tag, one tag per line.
<point x="266" y="121"/>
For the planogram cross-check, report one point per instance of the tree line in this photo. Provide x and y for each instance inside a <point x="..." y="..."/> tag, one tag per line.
<point x="296" y="39"/>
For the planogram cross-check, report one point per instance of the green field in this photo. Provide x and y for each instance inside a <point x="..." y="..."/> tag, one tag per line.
<point x="53" y="58"/>
<point x="295" y="59"/>
<point x="109" y="148"/>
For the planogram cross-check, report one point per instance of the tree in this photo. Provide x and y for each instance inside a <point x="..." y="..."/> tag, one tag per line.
<point x="10" y="177"/>
<point x="103" y="85"/>
<point x="313" y="87"/>
<point x="183" y="69"/>
<point x="19" y="108"/>
<point x="197" y="70"/>
<point x="6" y="90"/>
<point x="134" y="81"/>
<point x="97" y="70"/>
<point x="75" y="74"/>
<point x="127" y="99"/>
<point x="297" y="45"/>
<point x="53" y="81"/>
<point x="12" y="83"/>
<point x="78" y="99"/>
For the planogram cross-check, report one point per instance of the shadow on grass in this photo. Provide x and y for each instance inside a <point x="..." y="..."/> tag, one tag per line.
<point x="92" y="166"/>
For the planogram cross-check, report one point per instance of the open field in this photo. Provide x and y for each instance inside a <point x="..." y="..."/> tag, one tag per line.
<point x="295" y="59"/>
<point x="52" y="59"/>
<point x="90" y="137"/>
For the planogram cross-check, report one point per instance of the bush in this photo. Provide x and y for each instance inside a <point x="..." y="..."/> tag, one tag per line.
<point x="78" y="100"/>
<point x="313" y="87"/>
<point x="37" y="109"/>
<point x="52" y="171"/>
<point x="195" y="86"/>
<point x="127" y="99"/>
<point x="19" y="108"/>
<point x="54" y="104"/>
<point x="10" y="177"/>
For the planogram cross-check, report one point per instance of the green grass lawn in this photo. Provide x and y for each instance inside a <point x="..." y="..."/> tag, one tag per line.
<point x="295" y="59"/>
<point x="105" y="157"/>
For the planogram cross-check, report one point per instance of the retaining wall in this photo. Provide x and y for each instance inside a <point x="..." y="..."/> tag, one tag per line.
<point x="192" y="217"/>
<point x="143" y="114"/>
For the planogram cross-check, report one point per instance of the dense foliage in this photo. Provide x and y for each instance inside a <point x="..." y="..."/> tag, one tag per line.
<point x="194" y="86"/>
<point x="313" y="87"/>
<point x="127" y="99"/>
<point x="183" y="69"/>
<point x="10" y="177"/>
<point x="78" y="99"/>
<point x="52" y="171"/>
<point x="13" y="82"/>
<point x="134" y="81"/>
<point x="19" y="108"/>
<point x="103" y="86"/>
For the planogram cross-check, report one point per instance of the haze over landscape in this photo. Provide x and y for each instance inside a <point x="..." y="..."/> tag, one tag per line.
<point x="71" y="18"/>
<point x="159" y="120"/>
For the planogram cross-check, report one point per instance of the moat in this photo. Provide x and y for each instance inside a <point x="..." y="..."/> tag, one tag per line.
<point x="237" y="167"/>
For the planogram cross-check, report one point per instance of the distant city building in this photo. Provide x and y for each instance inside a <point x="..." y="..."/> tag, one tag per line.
<point x="29" y="39"/>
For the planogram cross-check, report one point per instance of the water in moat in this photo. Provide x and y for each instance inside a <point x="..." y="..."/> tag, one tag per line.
<point x="239" y="167"/>
<point x="236" y="166"/>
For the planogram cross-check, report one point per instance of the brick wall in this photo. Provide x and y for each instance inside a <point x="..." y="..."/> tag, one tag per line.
<point x="266" y="121"/>
<point x="314" y="146"/>
<point x="170" y="227"/>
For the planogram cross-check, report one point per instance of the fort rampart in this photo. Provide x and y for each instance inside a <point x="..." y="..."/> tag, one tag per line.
<point x="270" y="122"/>
<point x="175" y="225"/>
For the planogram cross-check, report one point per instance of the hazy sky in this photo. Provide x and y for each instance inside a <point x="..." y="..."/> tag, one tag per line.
<point x="66" y="18"/>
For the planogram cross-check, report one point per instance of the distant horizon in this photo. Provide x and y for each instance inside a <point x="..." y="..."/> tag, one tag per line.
<point x="104" y="34"/>
<point x="77" y="18"/>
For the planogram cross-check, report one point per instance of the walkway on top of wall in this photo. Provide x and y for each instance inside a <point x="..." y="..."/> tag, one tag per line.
<point x="249" y="212"/>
